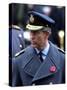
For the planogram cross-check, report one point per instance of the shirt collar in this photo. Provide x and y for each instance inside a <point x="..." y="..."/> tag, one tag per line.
<point x="45" y="50"/>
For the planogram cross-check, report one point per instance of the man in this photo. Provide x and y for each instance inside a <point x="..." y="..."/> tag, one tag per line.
<point x="16" y="44"/>
<point x="16" y="40"/>
<point x="42" y="62"/>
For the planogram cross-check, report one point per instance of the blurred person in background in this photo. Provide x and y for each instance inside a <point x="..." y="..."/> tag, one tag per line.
<point x="16" y="44"/>
<point x="16" y="40"/>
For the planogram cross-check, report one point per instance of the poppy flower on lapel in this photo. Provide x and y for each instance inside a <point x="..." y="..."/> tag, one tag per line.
<point x="52" y="69"/>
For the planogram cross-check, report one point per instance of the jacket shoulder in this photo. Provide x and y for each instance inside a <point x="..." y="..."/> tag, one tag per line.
<point x="60" y="50"/>
<point x="15" y="27"/>
<point x="57" y="48"/>
<point x="25" y="50"/>
<point x="19" y="53"/>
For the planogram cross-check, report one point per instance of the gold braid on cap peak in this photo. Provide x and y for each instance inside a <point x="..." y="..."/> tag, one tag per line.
<point x="36" y="28"/>
<point x="33" y="27"/>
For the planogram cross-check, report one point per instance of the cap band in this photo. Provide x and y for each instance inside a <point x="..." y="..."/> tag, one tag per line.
<point x="36" y="28"/>
<point x="32" y="27"/>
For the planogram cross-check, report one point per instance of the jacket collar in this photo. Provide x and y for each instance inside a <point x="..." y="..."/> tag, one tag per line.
<point x="45" y="50"/>
<point x="52" y="59"/>
<point x="31" y="62"/>
<point x="33" y="67"/>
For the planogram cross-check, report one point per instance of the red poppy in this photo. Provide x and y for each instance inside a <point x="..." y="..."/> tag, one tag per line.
<point x="52" y="68"/>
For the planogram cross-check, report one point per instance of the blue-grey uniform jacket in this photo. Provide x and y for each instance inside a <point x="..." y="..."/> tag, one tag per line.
<point x="27" y="69"/>
<point x="16" y="41"/>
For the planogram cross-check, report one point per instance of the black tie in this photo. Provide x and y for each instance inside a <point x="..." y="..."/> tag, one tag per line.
<point x="40" y="54"/>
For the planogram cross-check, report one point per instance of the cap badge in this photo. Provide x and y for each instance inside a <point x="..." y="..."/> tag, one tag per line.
<point x="31" y="18"/>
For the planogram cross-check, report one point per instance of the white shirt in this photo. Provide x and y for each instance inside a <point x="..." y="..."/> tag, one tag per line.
<point x="44" y="51"/>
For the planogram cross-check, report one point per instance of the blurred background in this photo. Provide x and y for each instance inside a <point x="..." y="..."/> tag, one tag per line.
<point x="18" y="16"/>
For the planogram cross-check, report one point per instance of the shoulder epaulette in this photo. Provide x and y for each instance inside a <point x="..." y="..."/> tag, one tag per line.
<point x="20" y="52"/>
<point x="61" y="50"/>
<point x="15" y="27"/>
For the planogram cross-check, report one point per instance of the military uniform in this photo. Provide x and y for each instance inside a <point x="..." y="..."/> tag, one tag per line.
<point x="16" y="44"/>
<point x="16" y="40"/>
<point x="27" y="68"/>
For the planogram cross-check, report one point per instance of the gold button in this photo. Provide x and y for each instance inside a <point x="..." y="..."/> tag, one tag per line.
<point x="20" y="35"/>
<point x="20" y="46"/>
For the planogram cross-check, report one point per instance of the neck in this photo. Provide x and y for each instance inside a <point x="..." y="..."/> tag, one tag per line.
<point x="43" y="46"/>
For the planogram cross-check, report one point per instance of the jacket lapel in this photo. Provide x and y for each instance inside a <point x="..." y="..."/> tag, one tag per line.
<point x="31" y="62"/>
<point x="52" y="59"/>
<point x="33" y="67"/>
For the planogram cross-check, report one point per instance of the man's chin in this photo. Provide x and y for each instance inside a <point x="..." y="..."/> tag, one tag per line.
<point x="33" y="45"/>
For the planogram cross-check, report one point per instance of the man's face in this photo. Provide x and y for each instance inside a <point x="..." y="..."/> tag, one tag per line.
<point x="38" y="39"/>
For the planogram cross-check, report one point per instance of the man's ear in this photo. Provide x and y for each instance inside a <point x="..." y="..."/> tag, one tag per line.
<point x="47" y="34"/>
